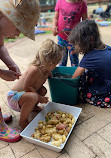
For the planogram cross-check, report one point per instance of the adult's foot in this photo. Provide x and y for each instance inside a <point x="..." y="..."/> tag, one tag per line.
<point x="23" y="124"/>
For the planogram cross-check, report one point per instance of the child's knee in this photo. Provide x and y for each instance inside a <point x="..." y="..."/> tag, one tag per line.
<point x="29" y="98"/>
<point x="33" y="98"/>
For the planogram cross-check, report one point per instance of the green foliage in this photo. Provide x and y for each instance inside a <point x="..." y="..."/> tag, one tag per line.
<point x="48" y="31"/>
<point x="22" y="36"/>
<point x="13" y="40"/>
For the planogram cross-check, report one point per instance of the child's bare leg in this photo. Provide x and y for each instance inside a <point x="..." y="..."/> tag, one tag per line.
<point x="27" y="103"/>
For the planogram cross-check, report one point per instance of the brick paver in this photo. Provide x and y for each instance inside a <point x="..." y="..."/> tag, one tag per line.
<point x="91" y="137"/>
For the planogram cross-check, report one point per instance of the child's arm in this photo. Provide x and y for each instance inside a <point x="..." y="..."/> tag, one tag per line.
<point x="78" y="72"/>
<point x="55" y="23"/>
<point x="84" y="10"/>
<point x="84" y="16"/>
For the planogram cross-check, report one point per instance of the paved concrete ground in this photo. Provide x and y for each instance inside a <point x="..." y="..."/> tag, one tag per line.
<point x="91" y="137"/>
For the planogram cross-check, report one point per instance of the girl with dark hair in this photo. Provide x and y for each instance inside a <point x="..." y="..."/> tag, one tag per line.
<point x="95" y="66"/>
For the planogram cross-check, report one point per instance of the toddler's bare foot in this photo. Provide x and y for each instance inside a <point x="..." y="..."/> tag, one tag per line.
<point x="38" y="108"/>
<point x="23" y="124"/>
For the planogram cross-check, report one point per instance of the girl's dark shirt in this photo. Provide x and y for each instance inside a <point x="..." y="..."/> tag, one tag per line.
<point x="99" y="61"/>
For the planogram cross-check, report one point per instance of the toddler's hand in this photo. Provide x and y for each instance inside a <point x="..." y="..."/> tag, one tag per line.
<point x="43" y="99"/>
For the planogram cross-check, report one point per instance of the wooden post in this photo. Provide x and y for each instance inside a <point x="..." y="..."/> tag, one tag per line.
<point x="97" y="1"/>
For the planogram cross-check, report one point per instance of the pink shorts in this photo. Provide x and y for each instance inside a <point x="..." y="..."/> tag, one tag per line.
<point x="13" y="98"/>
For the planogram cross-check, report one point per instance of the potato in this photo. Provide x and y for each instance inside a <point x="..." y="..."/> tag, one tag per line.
<point x="40" y="122"/>
<point x="52" y="112"/>
<point x="63" y="115"/>
<point x="63" y="138"/>
<point x="60" y="132"/>
<point x="68" y="129"/>
<point x="42" y="131"/>
<point x="49" y="126"/>
<point x="45" y="138"/>
<point x="63" y="112"/>
<point x="62" y="119"/>
<point x="65" y="122"/>
<point x="70" y="125"/>
<point x="52" y="122"/>
<point x="36" y="135"/>
<point x="48" y="114"/>
<point x="61" y="126"/>
<point x="50" y="130"/>
<point x="40" y="125"/>
<point x="44" y="123"/>
<point x="44" y="127"/>
<point x="57" y="143"/>
<point x="67" y="115"/>
<point x="36" y="128"/>
<point x="56" y="136"/>
<point x="57" y="116"/>
<point x="65" y="133"/>
<point x="70" y="116"/>
<point x="58" y="112"/>
<point x="68" y="120"/>
<point x="73" y="120"/>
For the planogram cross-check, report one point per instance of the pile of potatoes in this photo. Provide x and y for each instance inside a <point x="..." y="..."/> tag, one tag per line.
<point x="55" y="128"/>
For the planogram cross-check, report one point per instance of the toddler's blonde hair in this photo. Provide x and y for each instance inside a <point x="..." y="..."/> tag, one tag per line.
<point x="48" y="52"/>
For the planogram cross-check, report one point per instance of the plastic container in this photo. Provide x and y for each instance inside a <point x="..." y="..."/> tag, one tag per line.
<point x="64" y="90"/>
<point x="29" y="130"/>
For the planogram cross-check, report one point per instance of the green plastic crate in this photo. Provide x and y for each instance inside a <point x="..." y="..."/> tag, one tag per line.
<point x="64" y="90"/>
